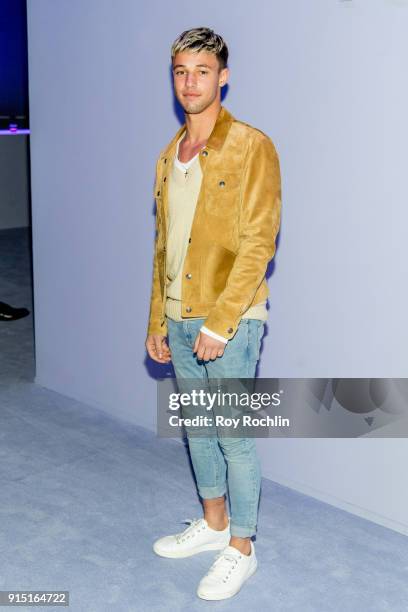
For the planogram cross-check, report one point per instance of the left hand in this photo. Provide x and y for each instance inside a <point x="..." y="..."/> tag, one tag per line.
<point x="208" y="347"/>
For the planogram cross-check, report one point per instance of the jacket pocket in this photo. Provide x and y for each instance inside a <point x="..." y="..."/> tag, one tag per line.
<point x="222" y="191"/>
<point x="216" y="265"/>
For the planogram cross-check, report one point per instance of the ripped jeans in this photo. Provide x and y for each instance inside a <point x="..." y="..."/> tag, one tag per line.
<point x="223" y="464"/>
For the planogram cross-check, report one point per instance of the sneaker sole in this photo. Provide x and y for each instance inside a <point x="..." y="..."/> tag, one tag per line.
<point x="230" y="593"/>
<point x="189" y="553"/>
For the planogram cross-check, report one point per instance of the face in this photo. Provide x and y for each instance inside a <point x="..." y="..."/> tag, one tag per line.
<point x="197" y="80"/>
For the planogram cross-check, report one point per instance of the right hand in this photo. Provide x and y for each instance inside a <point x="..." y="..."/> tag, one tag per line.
<point x="157" y="348"/>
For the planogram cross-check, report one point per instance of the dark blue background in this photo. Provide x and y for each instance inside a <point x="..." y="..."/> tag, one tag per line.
<point x="13" y="63"/>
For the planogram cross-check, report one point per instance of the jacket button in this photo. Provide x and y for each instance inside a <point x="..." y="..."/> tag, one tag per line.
<point x="158" y="193"/>
<point x="205" y="153"/>
<point x="188" y="275"/>
<point x="230" y="330"/>
<point x="222" y="183"/>
<point x="165" y="159"/>
<point x="164" y="180"/>
<point x="188" y="309"/>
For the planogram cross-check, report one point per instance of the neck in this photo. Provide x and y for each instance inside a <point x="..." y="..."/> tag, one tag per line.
<point x="200" y="125"/>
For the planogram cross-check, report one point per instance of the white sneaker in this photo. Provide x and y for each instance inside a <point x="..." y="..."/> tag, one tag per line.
<point x="197" y="538"/>
<point x="227" y="574"/>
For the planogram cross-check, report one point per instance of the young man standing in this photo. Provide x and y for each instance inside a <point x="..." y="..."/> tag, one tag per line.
<point x="218" y="199"/>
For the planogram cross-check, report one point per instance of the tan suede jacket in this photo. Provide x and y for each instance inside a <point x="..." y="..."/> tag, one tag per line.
<point x="234" y="229"/>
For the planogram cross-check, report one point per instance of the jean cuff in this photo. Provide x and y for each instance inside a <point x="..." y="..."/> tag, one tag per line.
<point x="241" y="532"/>
<point x="212" y="492"/>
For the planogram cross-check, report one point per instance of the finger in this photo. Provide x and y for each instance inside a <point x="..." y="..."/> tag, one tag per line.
<point x="166" y="350"/>
<point x="200" y="350"/>
<point x="154" y="346"/>
<point x="219" y="353"/>
<point x="151" y="349"/>
<point x="207" y="354"/>
<point x="150" y="352"/>
<point x="158" y="359"/>
<point x="158" y="348"/>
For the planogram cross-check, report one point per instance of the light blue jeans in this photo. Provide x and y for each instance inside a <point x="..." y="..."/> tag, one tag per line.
<point x="222" y="463"/>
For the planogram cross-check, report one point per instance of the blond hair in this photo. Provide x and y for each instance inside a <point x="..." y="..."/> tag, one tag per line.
<point x="202" y="39"/>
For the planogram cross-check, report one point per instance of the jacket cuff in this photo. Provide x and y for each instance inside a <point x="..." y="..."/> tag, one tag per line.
<point x="157" y="328"/>
<point x="207" y="331"/>
<point x="221" y="323"/>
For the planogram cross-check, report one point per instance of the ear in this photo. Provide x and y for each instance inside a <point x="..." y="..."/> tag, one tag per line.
<point x="223" y="76"/>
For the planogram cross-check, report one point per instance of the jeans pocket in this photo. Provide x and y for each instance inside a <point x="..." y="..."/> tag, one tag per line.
<point x="261" y="331"/>
<point x="256" y="332"/>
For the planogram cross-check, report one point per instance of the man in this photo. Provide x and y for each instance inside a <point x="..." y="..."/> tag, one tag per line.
<point x="218" y="202"/>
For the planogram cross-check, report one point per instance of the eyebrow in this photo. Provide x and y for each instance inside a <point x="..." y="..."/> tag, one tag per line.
<point x="197" y="66"/>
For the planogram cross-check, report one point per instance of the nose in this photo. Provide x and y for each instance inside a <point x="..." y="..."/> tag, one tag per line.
<point x="190" y="80"/>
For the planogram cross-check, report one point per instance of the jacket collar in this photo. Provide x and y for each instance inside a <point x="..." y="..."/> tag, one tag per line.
<point x="217" y="136"/>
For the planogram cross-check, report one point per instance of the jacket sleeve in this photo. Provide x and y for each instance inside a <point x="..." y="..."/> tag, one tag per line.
<point x="259" y="221"/>
<point x="155" y="313"/>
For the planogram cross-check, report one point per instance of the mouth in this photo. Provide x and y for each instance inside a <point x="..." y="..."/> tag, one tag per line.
<point x="191" y="95"/>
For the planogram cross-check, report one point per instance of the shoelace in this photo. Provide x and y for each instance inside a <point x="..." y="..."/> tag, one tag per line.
<point x="191" y="529"/>
<point x="224" y="564"/>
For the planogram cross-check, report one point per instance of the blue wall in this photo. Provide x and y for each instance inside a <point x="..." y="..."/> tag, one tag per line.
<point x="13" y="63"/>
<point x="323" y="79"/>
